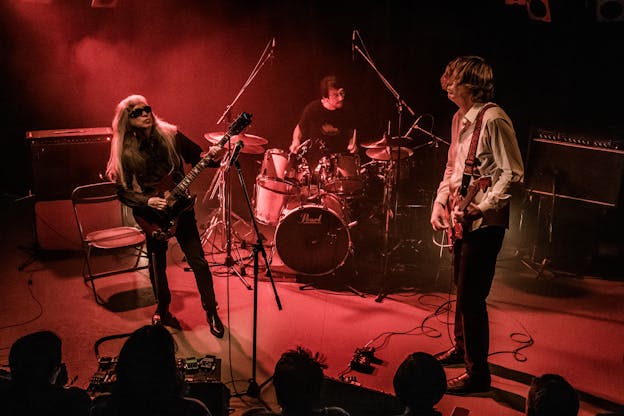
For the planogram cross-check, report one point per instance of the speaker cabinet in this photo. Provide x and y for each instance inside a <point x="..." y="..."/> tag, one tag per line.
<point x="64" y="159"/>
<point x="358" y="400"/>
<point x="575" y="171"/>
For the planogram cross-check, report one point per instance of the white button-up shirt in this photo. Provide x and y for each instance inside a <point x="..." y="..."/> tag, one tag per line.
<point x="498" y="155"/>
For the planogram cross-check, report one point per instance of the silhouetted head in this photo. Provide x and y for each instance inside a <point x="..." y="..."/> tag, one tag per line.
<point x="146" y="368"/>
<point x="420" y="381"/>
<point x="298" y="379"/>
<point x="551" y="395"/>
<point x="35" y="359"/>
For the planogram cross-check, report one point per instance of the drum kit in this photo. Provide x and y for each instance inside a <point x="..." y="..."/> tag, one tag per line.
<point x="311" y="209"/>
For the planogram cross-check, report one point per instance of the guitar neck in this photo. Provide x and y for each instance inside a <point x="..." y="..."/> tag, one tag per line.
<point x="239" y="124"/>
<point x="183" y="185"/>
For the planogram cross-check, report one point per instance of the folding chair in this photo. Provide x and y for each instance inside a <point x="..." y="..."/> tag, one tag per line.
<point x="100" y="219"/>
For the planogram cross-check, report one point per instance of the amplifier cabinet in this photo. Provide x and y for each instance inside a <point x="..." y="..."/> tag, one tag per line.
<point x="576" y="171"/>
<point x="61" y="160"/>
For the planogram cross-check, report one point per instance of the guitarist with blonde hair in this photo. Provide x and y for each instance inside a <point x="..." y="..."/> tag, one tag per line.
<point x="472" y="206"/>
<point x="146" y="160"/>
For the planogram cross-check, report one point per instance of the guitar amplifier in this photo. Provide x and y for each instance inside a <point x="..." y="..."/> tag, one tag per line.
<point x="585" y="176"/>
<point x="587" y="169"/>
<point x="61" y="160"/>
<point x="201" y="376"/>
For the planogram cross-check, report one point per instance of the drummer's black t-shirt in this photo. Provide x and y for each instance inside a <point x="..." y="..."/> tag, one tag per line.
<point x="329" y="131"/>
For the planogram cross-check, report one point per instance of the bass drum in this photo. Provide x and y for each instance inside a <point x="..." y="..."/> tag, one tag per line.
<point x="313" y="239"/>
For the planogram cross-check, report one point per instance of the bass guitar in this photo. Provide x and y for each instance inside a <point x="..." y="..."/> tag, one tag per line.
<point x="161" y="224"/>
<point x="456" y="230"/>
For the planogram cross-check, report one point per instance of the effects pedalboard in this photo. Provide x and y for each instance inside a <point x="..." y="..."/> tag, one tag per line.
<point x="194" y="370"/>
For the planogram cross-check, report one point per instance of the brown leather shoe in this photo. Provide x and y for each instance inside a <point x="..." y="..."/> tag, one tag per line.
<point x="451" y="356"/>
<point x="466" y="384"/>
<point x="216" y="326"/>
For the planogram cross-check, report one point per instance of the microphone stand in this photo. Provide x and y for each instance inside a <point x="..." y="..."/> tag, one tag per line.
<point x="435" y="139"/>
<point x="253" y="390"/>
<point x="400" y="104"/>
<point x="267" y="54"/>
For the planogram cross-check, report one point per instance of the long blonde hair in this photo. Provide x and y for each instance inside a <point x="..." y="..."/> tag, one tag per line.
<point x="121" y="125"/>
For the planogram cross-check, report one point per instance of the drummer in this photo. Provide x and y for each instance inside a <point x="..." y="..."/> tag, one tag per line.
<point x="328" y="123"/>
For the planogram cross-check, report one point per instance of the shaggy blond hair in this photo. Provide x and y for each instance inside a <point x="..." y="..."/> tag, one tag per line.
<point x="122" y="132"/>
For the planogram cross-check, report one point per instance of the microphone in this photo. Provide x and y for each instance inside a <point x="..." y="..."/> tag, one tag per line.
<point x="353" y="45"/>
<point x="237" y="148"/>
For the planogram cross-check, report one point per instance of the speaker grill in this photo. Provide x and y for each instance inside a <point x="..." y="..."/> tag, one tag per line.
<point x="61" y="160"/>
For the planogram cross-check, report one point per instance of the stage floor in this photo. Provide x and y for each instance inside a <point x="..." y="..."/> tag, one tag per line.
<point x="558" y="323"/>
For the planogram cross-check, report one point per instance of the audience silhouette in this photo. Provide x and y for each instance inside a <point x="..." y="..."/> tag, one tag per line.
<point x="38" y="378"/>
<point x="420" y="383"/>
<point x="551" y="395"/>
<point x="148" y="381"/>
<point x="298" y="378"/>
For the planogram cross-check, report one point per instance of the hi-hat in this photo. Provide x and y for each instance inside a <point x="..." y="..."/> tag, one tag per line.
<point x="389" y="153"/>
<point x="248" y="139"/>
<point x="384" y="141"/>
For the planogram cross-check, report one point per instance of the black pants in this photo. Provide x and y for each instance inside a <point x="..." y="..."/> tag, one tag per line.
<point x="474" y="264"/>
<point x="190" y="242"/>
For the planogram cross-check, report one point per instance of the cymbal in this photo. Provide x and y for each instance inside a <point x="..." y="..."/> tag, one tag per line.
<point x="248" y="139"/>
<point x="393" y="154"/>
<point x="383" y="142"/>
<point x="375" y="144"/>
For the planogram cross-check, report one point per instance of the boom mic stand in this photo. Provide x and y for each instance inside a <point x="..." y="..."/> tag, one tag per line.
<point x="390" y="211"/>
<point x="253" y="389"/>
<point x="267" y="53"/>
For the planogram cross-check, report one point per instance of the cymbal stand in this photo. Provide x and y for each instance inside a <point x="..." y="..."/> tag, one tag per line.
<point x="391" y="213"/>
<point x="217" y="227"/>
<point x="225" y="199"/>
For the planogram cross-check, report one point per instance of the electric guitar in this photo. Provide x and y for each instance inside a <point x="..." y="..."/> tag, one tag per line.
<point x="456" y="230"/>
<point x="161" y="224"/>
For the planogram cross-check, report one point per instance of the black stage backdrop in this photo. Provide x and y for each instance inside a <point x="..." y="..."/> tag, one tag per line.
<point x="65" y="64"/>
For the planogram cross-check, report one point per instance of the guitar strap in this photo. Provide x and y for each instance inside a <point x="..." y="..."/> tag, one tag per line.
<point x="471" y="165"/>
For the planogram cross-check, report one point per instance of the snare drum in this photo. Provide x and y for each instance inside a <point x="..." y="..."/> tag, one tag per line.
<point x="313" y="239"/>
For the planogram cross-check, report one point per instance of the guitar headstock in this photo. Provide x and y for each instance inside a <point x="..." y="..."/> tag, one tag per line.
<point x="238" y="125"/>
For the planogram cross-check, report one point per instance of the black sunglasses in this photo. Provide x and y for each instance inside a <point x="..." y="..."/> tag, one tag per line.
<point x="139" y="111"/>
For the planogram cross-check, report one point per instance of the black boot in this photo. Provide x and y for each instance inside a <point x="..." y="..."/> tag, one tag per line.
<point x="216" y="326"/>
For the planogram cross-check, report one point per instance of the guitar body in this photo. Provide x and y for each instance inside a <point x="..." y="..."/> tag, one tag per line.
<point x="456" y="230"/>
<point x="162" y="224"/>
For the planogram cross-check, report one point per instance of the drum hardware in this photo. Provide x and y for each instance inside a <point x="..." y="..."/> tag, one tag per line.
<point x="221" y="222"/>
